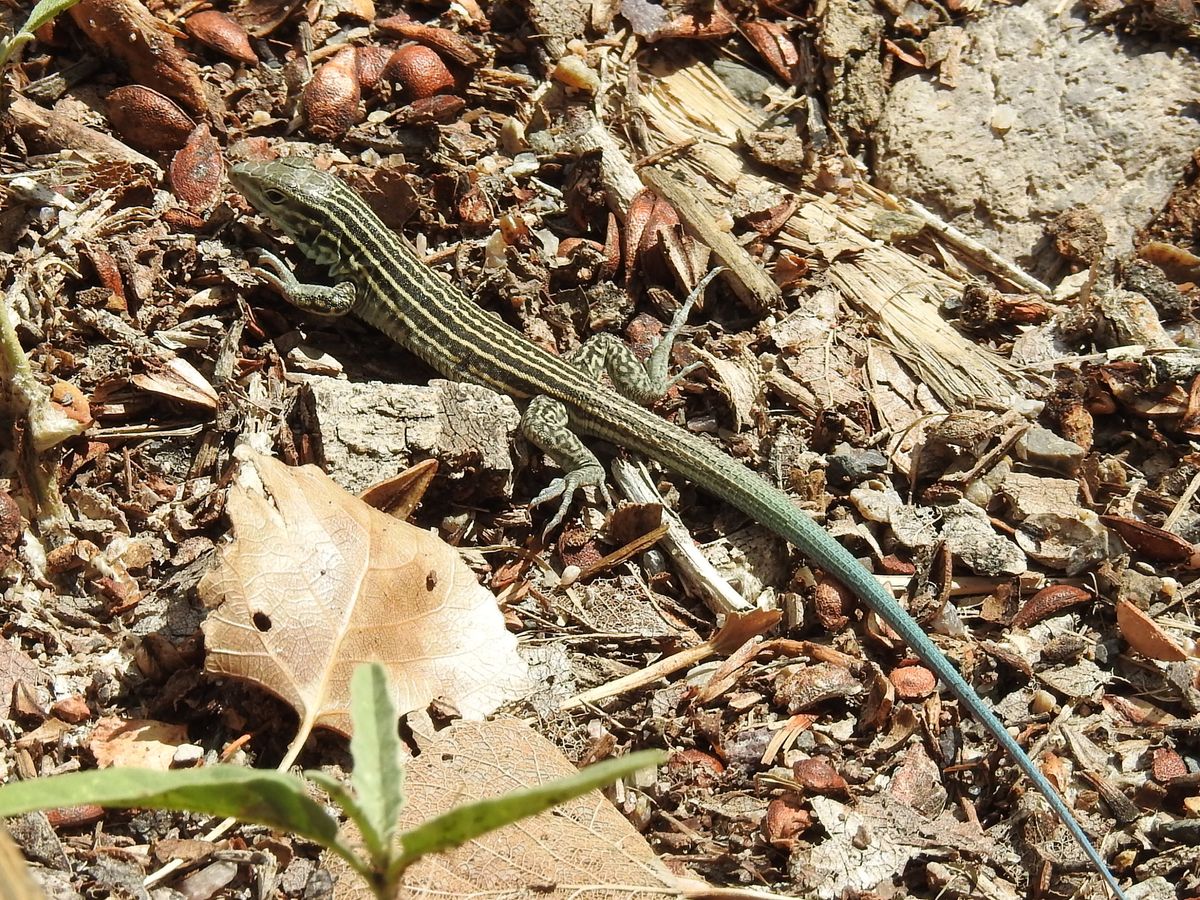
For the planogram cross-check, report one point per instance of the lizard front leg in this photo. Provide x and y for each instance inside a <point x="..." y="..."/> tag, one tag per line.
<point x="321" y="299"/>
<point x="640" y="382"/>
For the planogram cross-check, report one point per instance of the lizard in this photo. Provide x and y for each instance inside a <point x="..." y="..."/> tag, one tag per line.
<point x="379" y="279"/>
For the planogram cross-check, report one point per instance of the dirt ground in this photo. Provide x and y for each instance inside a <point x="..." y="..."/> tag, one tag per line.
<point x="993" y="402"/>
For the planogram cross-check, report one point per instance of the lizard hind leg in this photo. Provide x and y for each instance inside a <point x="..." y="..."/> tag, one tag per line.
<point x="546" y="425"/>
<point x="641" y="382"/>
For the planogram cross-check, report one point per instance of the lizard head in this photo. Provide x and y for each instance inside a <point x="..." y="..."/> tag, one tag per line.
<point x="296" y="196"/>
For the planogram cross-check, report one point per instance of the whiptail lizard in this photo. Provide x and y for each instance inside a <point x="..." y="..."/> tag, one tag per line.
<point x="382" y="282"/>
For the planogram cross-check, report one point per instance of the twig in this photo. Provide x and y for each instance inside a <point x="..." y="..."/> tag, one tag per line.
<point x="694" y="569"/>
<point x="745" y="275"/>
<point x="1006" y="269"/>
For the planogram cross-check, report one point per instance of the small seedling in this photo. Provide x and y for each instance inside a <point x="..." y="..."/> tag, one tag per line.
<point x="372" y="800"/>
<point x="41" y="14"/>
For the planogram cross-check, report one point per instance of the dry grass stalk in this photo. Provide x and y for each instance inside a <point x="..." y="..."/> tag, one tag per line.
<point x="896" y="290"/>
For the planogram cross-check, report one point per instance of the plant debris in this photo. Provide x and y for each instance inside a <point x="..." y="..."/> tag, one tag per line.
<point x="1001" y="431"/>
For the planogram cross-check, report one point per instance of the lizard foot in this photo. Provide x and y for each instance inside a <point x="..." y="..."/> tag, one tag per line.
<point x="565" y="488"/>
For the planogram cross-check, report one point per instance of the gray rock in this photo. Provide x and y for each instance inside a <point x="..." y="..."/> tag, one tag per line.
<point x="1042" y="447"/>
<point x="852" y="465"/>
<point x="372" y="430"/>
<point x="1047" y="113"/>
<point x="972" y="540"/>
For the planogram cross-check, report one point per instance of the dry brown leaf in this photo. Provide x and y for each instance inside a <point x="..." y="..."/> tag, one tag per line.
<point x="135" y="743"/>
<point x="741" y="627"/>
<point x="127" y="31"/>
<point x="399" y="495"/>
<point x="739" y="378"/>
<point x="14" y="874"/>
<point x="1154" y="543"/>
<point x="584" y="848"/>
<point x="317" y="582"/>
<point x="1138" y="711"/>
<point x="15" y="666"/>
<point x="261" y="17"/>
<point x="847" y="865"/>
<point x="178" y="380"/>
<point x="1145" y="636"/>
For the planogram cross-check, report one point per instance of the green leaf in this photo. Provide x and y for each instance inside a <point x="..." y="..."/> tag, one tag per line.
<point x="41" y="14"/>
<point x="259" y="796"/>
<point x="343" y="797"/>
<point x="378" y="775"/>
<point x="470" y="820"/>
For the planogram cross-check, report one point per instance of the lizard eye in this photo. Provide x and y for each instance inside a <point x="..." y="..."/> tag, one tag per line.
<point x="274" y="197"/>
